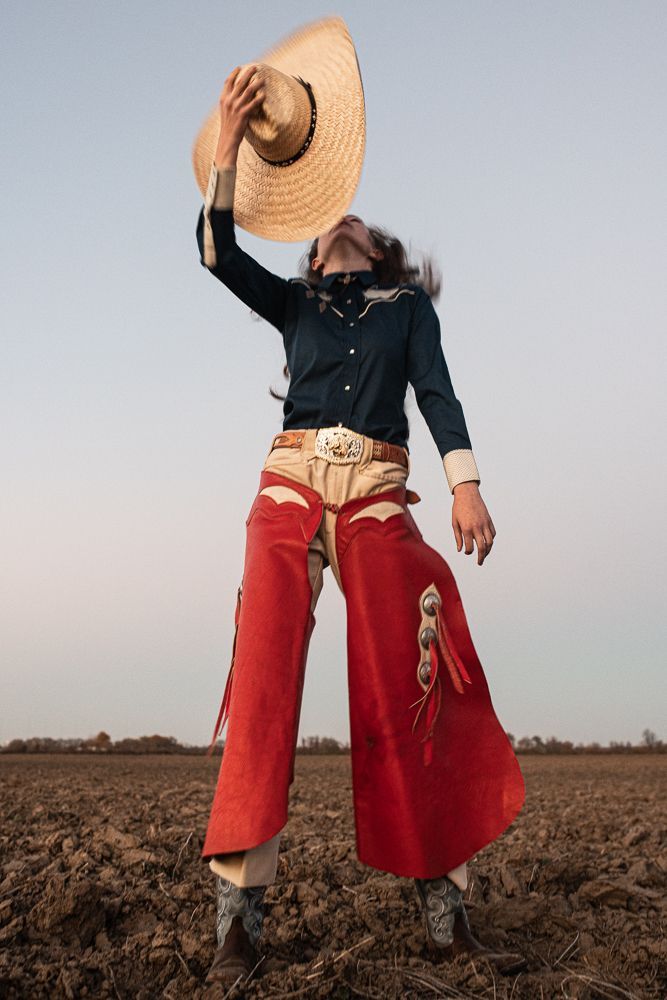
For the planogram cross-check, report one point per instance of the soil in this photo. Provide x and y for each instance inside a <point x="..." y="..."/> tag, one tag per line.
<point x="103" y="892"/>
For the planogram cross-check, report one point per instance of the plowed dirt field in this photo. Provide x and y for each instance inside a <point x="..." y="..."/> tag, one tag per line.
<point x="103" y="892"/>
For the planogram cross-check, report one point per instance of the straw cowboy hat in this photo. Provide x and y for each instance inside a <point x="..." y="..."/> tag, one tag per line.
<point x="300" y="159"/>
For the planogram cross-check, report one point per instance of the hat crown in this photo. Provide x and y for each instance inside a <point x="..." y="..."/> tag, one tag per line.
<point x="282" y="124"/>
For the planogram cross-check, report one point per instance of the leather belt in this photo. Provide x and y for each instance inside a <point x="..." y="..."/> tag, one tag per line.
<point x="383" y="450"/>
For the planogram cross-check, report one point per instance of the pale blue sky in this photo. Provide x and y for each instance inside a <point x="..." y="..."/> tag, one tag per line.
<point x="524" y="145"/>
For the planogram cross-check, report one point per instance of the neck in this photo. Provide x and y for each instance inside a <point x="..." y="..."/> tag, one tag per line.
<point x="347" y="262"/>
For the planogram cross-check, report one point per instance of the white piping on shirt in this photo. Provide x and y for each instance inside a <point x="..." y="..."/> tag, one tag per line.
<point x="383" y="295"/>
<point x="374" y="294"/>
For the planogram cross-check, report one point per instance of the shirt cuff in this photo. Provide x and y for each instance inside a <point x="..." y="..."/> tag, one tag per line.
<point x="219" y="195"/>
<point x="460" y="467"/>
<point x="220" y="191"/>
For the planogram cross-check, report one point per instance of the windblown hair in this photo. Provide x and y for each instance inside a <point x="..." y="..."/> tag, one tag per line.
<point x="395" y="268"/>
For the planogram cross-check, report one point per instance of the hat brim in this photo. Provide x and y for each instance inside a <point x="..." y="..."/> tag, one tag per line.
<point x="303" y="200"/>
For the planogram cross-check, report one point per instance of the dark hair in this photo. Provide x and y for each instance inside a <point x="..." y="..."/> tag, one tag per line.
<point x="395" y="268"/>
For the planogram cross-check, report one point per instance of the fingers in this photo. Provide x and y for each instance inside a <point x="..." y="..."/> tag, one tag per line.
<point x="482" y="547"/>
<point x="253" y="95"/>
<point x="457" y="534"/>
<point x="229" y="83"/>
<point x="238" y="80"/>
<point x="243" y="78"/>
<point x="241" y="97"/>
<point x="472" y="522"/>
<point x="479" y="536"/>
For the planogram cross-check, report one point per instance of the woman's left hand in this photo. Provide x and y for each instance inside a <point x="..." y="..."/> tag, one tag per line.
<point x="471" y="520"/>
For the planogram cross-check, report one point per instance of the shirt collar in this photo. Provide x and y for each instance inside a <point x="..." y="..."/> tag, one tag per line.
<point x="365" y="277"/>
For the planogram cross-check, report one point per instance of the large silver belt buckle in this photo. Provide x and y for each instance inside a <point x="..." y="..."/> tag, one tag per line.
<point x="339" y="445"/>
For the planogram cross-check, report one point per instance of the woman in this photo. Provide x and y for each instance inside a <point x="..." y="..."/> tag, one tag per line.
<point x="434" y="775"/>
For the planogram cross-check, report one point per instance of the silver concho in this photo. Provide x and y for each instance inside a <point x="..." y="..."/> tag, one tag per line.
<point x="426" y="635"/>
<point x="430" y="603"/>
<point x="425" y="672"/>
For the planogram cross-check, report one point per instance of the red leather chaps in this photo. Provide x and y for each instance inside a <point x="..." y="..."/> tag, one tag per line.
<point x="435" y="778"/>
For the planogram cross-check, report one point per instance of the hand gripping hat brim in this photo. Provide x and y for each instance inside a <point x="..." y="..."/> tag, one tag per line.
<point x="306" y="197"/>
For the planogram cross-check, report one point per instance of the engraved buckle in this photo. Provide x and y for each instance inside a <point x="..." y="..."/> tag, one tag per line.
<point x="339" y="445"/>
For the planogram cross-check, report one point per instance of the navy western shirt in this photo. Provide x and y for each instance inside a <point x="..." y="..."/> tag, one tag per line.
<point x="352" y="345"/>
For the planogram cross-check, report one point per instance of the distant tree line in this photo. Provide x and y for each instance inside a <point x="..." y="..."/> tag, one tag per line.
<point x="535" y="744"/>
<point x="322" y="744"/>
<point x="102" y="743"/>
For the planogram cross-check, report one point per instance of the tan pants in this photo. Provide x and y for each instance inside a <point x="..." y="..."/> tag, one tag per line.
<point x="336" y="484"/>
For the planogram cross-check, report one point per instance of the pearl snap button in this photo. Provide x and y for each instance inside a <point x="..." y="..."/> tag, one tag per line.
<point x="346" y="387"/>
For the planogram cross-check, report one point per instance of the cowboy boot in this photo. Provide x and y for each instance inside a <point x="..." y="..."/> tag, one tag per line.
<point x="238" y="925"/>
<point x="449" y="931"/>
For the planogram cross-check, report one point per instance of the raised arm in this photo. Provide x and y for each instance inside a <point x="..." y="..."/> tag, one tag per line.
<point x="264" y="292"/>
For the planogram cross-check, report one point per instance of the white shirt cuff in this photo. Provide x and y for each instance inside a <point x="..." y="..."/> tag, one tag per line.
<point x="219" y="195"/>
<point x="460" y="467"/>
<point x="220" y="191"/>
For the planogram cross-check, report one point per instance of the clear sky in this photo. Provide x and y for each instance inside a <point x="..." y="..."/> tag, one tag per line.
<point x="522" y="144"/>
